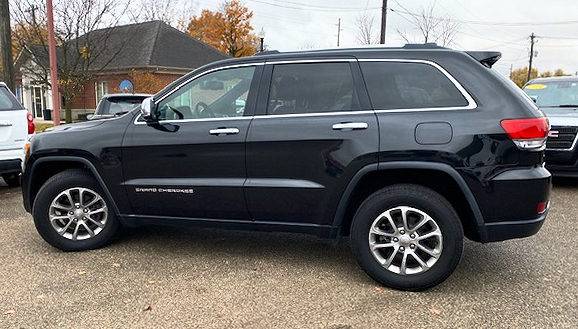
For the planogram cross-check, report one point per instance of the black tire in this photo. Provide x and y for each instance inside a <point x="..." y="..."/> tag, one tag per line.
<point x="12" y="180"/>
<point x="54" y="186"/>
<point x="423" y="199"/>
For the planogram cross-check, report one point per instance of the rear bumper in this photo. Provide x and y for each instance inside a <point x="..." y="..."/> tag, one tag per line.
<point x="12" y="166"/>
<point x="511" y="204"/>
<point x="501" y="231"/>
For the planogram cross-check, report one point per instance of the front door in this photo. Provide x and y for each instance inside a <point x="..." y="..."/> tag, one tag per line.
<point x="313" y="136"/>
<point x="191" y="162"/>
<point x="38" y="101"/>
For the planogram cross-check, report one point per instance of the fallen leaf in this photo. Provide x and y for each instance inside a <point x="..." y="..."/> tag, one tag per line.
<point x="9" y="312"/>
<point x="115" y="265"/>
<point x="435" y="311"/>
<point x="148" y="308"/>
<point x="81" y="272"/>
<point x="380" y="289"/>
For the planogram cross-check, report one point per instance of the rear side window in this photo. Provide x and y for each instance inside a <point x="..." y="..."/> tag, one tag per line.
<point x="312" y="88"/>
<point x="399" y="85"/>
<point x="7" y="100"/>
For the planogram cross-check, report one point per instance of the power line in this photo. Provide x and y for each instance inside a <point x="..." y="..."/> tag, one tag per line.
<point x="314" y="8"/>
<point x="505" y="24"/>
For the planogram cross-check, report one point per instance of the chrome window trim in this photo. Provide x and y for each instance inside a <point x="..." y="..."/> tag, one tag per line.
<point x="471" y="102"/>
<point x="136" y="122"/>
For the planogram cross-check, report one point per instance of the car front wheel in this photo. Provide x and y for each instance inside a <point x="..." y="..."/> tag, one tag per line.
<point x="72" y="213"/>
<point x="407" y="237"/>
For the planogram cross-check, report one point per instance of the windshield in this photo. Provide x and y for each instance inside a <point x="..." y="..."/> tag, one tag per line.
<point x="554" y="93"/>
<point x="112" y="106"/>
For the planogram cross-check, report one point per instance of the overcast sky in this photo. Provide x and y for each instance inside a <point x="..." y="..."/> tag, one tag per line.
<point x="490" y="24"/>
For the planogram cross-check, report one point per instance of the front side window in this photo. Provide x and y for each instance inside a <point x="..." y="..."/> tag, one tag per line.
<point x="220" y="94"/>
<point x="401" y="85"/>
<point x="312" y="88"/>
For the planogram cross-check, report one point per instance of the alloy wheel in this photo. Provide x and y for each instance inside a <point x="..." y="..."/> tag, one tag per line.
<point x="405" y="240"/>
<point x="78" y="213"/>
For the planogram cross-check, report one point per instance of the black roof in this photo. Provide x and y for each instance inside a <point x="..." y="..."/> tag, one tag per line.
<point x="149" y="44"/>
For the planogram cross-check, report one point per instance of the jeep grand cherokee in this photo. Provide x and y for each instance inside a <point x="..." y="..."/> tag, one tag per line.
<point x="404" y="151"/>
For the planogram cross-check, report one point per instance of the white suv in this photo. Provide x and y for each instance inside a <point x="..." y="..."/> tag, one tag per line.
<point x="16" y="125"/>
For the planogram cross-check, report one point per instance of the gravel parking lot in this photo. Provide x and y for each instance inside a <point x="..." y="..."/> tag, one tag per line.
<point x="161" y="277"/>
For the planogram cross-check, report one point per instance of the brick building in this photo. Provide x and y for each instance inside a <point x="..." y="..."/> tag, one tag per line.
<point x="146" y="56"/>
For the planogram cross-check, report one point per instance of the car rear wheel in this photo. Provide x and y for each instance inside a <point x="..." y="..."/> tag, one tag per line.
<point x="12" y="180"/>
<point x="72" y="213"/>
<point x="407" y="237"/>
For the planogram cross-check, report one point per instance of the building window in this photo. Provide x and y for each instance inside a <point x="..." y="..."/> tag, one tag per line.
<point x="101" y="90"/>
<point x="19" y="95"/>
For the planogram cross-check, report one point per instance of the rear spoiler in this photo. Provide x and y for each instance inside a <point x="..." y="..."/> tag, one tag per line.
<point x="487" y="58"/>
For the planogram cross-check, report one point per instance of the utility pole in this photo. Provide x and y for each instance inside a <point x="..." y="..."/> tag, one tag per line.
<point x="6" y="45"/>
<point x="383" y="21"/>
<point x="338" y="30"/>
<point x="532" y="42"/>
<point x="53" y="65"/>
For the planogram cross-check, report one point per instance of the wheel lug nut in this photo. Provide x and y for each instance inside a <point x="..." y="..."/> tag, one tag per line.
<point x="395" y="239"/>
<point x="401" y="248"/>
<point x="71" y="213"/>
<point x="402" y="232"/>
<point x="412" y="236"/>
<point x="85" y="209"/>
<point x="412" y="246"/>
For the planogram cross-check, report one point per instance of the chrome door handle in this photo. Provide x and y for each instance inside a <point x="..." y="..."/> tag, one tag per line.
<point x="5" y="124"/>
<point x="350" y="126"/>
<point x="224" y="131"/>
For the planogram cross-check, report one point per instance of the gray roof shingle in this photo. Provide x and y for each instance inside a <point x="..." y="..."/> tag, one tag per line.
<point x="152" y="44"/>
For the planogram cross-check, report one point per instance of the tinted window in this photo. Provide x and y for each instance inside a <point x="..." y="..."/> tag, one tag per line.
<point x="409" y="86"/>
<point x="312" y="88"/>
<point x="219" y="94"/>
<point x="7" y="101"/>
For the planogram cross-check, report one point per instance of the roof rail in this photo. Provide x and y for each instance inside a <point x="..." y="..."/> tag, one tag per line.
<point x="268" y="52"/>
<point x="429" y="45"/>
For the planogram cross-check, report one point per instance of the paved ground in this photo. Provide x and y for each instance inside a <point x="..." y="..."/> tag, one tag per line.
<point x="216" y="279"/>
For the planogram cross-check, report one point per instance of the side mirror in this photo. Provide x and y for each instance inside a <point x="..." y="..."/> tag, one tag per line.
<point x="146" y="108"/>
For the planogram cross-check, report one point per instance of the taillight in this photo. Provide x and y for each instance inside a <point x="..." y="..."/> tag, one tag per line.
<point x="527" y="134"/>
<point x="31" y="126"/>
<point x="542" y="207"/>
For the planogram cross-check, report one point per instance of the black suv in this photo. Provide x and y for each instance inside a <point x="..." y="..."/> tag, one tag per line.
<point x="402" y="150"/>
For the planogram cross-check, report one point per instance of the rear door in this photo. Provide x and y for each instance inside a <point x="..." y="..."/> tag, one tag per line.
<point x="13" y="123"/>
<point x="314" y="132"/>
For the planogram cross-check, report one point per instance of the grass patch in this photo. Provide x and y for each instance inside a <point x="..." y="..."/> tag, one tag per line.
<point x="40" y="127"/>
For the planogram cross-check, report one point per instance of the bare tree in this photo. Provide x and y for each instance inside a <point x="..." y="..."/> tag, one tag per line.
<point x="84" y="39"/>
<point x="168" y="11"/>
<point x="430" y="28"/>
<point x="364" y="25"/>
